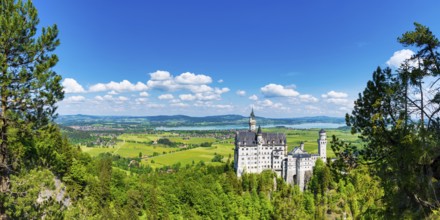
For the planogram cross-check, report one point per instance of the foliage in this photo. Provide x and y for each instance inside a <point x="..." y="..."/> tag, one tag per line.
<point x="217" y="158"/>
<point x="25" y="199"/>
<point x="29" y="88"/>
<point x="167" y="142"/>
<point x="398" y="120"/>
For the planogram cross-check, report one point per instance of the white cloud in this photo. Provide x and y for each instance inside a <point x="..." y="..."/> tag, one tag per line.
<point x="221" y="91"/>
<point x="269" y="104"/>
<point x="160" y="75"/>
<point x="223" y="106"/>
<point x="72" y="86"/>
<point x="265" y="103"/>
<point x="179" y="104"/>
<point x="198" y="88"/>
<point x="166" y="97"/>
<point x="275" y="90"/>
<point x="140" y="100"/>
<point x="187" y="97"/>
<point x="253" y="97"/>
<point x="337" y="98"/>
<point x="122" y="86"/>
<point x="333" y="94"/>
<point x="241" y="92"/>
<point x="220" y="81"/>
<point x="197" y="84"/>
<point x="74" y="99"/>
<point x="338" y="101"/>
<point x="144" y="94"/>
<point x="113" y="92"/>
<point x="312" y="108"/>
<point x="192" y="79"/>
<point x="307" y="98"/>
<point x="104" y="98"/>
<point x="399" y="57"/>
<point x="122" y="98"/>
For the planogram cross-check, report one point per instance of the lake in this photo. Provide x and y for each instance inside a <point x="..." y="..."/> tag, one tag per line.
<point x="240" y="127"/>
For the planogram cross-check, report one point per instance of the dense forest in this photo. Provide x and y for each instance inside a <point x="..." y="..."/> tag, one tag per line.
<point x="42" y="175"/>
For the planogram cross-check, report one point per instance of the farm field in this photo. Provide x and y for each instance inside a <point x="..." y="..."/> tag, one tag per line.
<point x="148" y="138"/>
<point x="128" y="149"/>
<point x="156" y="155"/>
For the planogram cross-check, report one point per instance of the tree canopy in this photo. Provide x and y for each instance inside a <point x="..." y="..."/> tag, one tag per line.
<point x="397" y="117"/>
<point x="29" y="88"/>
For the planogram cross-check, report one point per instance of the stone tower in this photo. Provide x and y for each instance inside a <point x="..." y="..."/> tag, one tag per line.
<point x="322" y="145"/>
<point x="252" y="122"/>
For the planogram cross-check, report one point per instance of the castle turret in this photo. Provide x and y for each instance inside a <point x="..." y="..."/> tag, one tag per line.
<point x="259" y="136"/>
<point x="322" y="145"/>
<point x="252" y="122"/>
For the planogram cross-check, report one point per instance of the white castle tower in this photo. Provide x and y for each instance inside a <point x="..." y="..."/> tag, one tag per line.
<point x="322" y="145"/>
<point x="252" y="122"/>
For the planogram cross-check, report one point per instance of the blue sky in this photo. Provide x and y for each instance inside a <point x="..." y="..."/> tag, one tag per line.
<point x="285" y="58"/>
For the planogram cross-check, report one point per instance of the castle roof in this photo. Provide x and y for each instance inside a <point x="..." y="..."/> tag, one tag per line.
<point x="322" y="131"/>
<point x="252" y="113"/>
<point x="249" y="138"/>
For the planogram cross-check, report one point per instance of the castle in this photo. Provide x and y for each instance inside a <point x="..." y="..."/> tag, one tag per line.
<point x="256" y="151"/>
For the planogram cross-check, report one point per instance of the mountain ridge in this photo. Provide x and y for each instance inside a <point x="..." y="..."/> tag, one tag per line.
<point x="185" y="120"/>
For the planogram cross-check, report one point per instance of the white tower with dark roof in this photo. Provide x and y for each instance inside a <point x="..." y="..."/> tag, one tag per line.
<point x="322" y="145"/>
<point x="252" y="122"/>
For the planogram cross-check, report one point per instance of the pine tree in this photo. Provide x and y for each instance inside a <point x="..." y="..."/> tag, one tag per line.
<point x="397" y="117"/>
<point x="29" y="88"/>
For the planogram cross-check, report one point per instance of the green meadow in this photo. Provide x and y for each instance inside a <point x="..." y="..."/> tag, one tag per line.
<point x="155" y="155"/>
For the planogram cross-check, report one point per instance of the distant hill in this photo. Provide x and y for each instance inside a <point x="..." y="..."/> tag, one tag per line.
<point x="183" y="120"/>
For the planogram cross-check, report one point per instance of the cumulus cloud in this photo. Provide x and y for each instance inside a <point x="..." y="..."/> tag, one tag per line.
<point x="122" y="86"/>
<point x="75" y="99"/>
<point x="104" y="98"/>
<point x="223" y="106"/>
<point x="269" y="104"/>
<point x="179" y="104"/>
<point x="166" y="97"/>
<point x="241" y="92"/>
<point x="72" y="86"/>
<point x="196" y="83"/>
<point x="399" y="57"/>
<point x="192" y="79"/>
<point x="140" y="100"/>
<point x="122" y="98"/>
<point x="337" y="101"/>
<point x="143" y="94"/>
<point x="337" y="98"/>
<point x="187" y="97"/>
<point x="336" y="95"/>
<point x="275" y="90"/>
<point x="307" y="98"/>
<point x="160" y="75"/>
<point x="220" y="81"/>
<point x="221" y="91"/>
<point x="253" y="97"/>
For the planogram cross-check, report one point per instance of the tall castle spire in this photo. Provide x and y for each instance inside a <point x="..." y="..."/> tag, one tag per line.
<point x="252" y="122"/>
